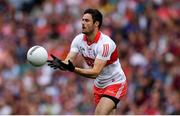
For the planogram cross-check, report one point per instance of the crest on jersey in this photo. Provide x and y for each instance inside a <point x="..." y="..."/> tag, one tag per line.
<point x="82" y="49"/>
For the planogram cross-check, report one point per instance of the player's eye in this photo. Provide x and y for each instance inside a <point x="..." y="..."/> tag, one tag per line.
<point x="85" y="20"/>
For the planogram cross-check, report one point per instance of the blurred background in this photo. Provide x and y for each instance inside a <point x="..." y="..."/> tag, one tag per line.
<point x="147" y="33"/>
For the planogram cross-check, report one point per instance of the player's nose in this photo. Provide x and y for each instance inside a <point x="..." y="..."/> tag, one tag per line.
<point x="83" y="25"/>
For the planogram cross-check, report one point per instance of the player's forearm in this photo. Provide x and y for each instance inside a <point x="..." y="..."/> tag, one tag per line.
<point x="88" y="73"/>
<point x="68" y="58"/>
<point x="71" y="56"/>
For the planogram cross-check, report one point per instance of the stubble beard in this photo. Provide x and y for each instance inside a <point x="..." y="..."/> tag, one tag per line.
<point x="89" y="32"/>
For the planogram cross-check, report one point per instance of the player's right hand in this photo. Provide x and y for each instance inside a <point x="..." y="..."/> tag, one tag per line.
<point x="56" y="63"/>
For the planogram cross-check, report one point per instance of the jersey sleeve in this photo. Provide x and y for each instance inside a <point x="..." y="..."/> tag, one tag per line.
<point x="74" y="45"/>
<point x="105" y="51"/>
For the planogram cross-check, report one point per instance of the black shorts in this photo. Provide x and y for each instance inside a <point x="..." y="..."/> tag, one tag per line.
<point x="115" y="100"/>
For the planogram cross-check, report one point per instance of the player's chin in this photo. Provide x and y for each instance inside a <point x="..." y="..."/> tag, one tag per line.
<point x="84" y="32"/>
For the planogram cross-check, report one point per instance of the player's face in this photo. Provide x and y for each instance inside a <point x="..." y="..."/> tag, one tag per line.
<point x="87" y="24"/>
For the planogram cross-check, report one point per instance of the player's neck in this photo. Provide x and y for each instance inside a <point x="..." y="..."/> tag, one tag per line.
<point x="91" y="36"/>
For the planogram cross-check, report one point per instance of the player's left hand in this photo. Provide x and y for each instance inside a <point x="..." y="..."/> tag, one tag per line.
<point x="69" y="66"/>
<point x="55" y="63"/>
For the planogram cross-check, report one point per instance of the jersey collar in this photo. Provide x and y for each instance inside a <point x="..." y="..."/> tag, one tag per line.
<point x="95" y="40"/>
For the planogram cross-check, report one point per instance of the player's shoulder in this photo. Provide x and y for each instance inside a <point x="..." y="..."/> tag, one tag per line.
<point x="105" y="38"/>
<point x="80" y="36"/>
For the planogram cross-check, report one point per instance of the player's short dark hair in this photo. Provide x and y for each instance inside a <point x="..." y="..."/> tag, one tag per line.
<point x="96" y="15"/>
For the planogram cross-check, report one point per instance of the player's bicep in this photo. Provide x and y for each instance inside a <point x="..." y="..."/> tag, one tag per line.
<point x="74" y="50"/>
<point x="71" y="56"/>
<point x="74" y="45"/>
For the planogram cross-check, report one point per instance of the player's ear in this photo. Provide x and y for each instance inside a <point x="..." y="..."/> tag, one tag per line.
<point x="97" y="23"/>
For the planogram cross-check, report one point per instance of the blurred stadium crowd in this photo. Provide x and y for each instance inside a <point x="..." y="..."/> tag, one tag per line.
<point x="147" y="33"/>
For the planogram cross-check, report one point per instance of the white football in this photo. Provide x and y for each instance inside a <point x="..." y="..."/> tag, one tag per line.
<point x="37" y="55"/>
